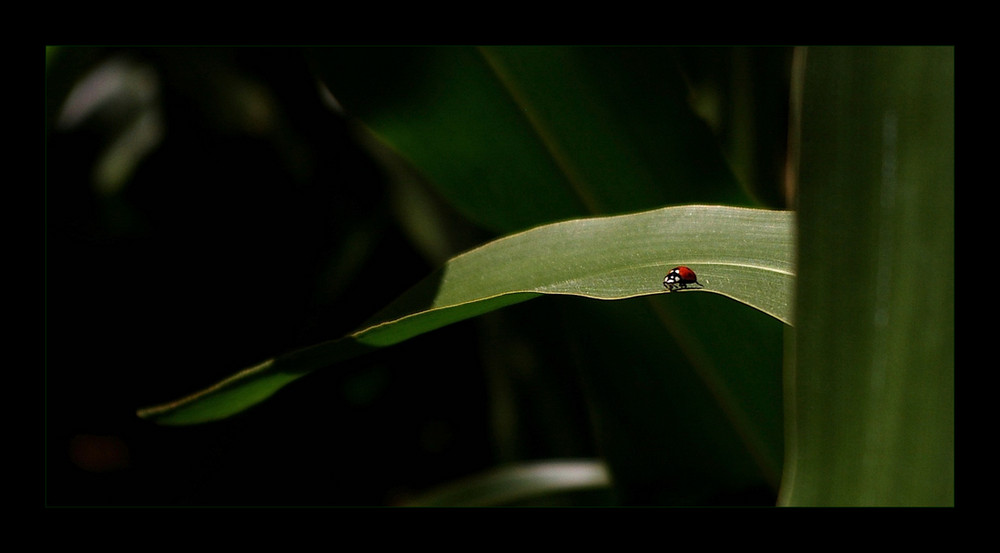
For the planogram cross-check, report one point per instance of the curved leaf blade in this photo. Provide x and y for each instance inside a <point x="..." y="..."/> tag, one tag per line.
<point x="521" y="484"/>
<point x="745" y="254"/>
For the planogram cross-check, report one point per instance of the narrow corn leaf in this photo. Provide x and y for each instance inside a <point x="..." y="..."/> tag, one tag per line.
<point x="870" y="395"/>
<point x="540" y="482"/>
<point x="745" y="254"/>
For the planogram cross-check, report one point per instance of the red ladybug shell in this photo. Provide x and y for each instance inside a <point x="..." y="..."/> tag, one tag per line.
<point x="687" y="275"/>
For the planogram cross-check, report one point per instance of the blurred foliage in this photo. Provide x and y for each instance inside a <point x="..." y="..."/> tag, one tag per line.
<point x="208" y="208"/>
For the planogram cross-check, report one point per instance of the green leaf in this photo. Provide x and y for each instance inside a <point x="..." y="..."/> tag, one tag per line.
<point x="870" y="395"/>
<point x="537" y="483"/>
<point x="744" y="254"/>
<point x="580" y="131"/>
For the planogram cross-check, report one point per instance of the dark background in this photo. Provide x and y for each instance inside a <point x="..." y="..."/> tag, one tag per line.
<point x="234" y="240"/>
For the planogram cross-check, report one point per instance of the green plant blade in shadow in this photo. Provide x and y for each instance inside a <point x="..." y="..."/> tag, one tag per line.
<point x="871" y="394"/>
<point x="580" y="130"/>
<point x="542" y="482"/>
<point x="744" y="254"/>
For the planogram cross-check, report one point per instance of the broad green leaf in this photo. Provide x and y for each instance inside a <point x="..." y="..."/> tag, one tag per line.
<point x="871" y="392"/>
<point x="618" y="123"/>
<point x="744" y="254"/>
<point x="580" y="131"/>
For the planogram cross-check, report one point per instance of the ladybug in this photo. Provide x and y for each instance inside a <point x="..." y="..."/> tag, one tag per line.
<point x="679" y="278"/>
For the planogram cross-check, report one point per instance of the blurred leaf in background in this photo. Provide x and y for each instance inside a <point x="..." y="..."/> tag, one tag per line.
<point x="579" y="131"/>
